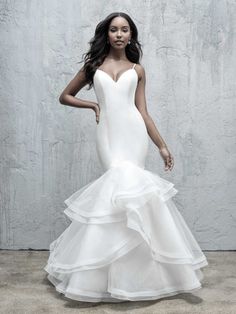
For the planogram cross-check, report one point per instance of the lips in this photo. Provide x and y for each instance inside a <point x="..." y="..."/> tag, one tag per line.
<point x="118" y="42"/>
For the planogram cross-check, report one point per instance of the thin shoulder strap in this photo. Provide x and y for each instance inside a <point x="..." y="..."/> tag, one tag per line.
<point x="134" y="65"/>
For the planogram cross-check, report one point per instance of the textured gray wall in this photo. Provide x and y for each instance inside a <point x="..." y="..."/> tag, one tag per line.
<point x="48" y="150"/>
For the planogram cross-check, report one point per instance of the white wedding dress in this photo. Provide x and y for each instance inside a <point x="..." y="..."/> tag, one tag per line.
<point x="127" y="240"/>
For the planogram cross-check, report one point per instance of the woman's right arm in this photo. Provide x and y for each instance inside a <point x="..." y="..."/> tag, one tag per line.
<point x="68" y="98"/>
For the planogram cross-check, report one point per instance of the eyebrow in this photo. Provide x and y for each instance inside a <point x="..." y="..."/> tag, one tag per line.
<point x="121" y="26"/>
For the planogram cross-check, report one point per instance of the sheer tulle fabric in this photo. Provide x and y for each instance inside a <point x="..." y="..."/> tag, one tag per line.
<point x="127" y="241"/>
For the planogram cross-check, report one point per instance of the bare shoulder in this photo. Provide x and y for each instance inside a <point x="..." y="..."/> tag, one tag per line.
<point x="140" y="71"/>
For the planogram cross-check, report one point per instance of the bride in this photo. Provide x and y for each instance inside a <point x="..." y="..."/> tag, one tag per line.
<point x="127" y="240"/>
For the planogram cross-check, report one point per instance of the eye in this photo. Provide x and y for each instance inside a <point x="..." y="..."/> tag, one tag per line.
<point x="124" y="30"/>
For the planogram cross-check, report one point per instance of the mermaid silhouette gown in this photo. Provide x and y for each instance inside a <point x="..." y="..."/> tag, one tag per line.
<point x="127" y="240"/>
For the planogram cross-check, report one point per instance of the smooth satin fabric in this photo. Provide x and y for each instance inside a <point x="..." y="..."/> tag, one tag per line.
<point x="127" y="240"/>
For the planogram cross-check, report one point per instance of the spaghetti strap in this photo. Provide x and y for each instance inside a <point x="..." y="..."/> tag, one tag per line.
<point x="134" y="65"/>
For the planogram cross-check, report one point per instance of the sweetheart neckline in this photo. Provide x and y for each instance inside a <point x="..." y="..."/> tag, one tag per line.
<point x="119" y="76"/>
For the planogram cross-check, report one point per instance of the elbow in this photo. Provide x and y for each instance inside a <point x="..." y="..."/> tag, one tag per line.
<point x="61" y="99"/>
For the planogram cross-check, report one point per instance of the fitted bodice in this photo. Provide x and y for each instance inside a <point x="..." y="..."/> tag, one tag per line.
<point x="109" y="91"/>
<point x="121" y="131"/>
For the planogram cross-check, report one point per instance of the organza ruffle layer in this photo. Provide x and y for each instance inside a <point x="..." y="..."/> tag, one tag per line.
<point x="127" y="241"/>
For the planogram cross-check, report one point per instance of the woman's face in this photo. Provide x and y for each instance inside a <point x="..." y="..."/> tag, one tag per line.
<point x="119" y="32"/>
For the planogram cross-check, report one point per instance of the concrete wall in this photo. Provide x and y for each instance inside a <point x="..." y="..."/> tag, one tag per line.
<point x="48" y="150"/>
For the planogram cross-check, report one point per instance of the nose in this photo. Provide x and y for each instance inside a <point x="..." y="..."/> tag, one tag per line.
<point x="118" y="34"/>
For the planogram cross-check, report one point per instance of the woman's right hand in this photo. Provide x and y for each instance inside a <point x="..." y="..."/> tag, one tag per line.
<point x="96" y="109"/>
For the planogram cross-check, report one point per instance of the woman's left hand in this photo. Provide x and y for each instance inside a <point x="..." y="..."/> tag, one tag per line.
<point x="167" y="157"/>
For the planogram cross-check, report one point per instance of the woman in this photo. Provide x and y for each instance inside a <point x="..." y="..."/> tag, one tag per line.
<point x="127" y="240"/>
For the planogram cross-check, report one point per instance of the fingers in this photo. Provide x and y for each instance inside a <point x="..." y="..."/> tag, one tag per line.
<point x="169" y="162"/>
<point x="168" y="158"/>
<point x="97" y="112"/>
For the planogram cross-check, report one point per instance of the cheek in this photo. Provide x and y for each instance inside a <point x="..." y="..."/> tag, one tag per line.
<point x="111" y="35"/>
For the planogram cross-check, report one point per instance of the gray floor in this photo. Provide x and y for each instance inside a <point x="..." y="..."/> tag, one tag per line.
<point x="24" y="288"/>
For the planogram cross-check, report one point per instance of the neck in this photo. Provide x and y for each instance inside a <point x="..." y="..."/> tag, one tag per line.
<point x="116" y="54"/>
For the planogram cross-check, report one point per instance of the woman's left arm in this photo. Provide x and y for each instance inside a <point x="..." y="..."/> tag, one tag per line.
<point x="140" y="102"/>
